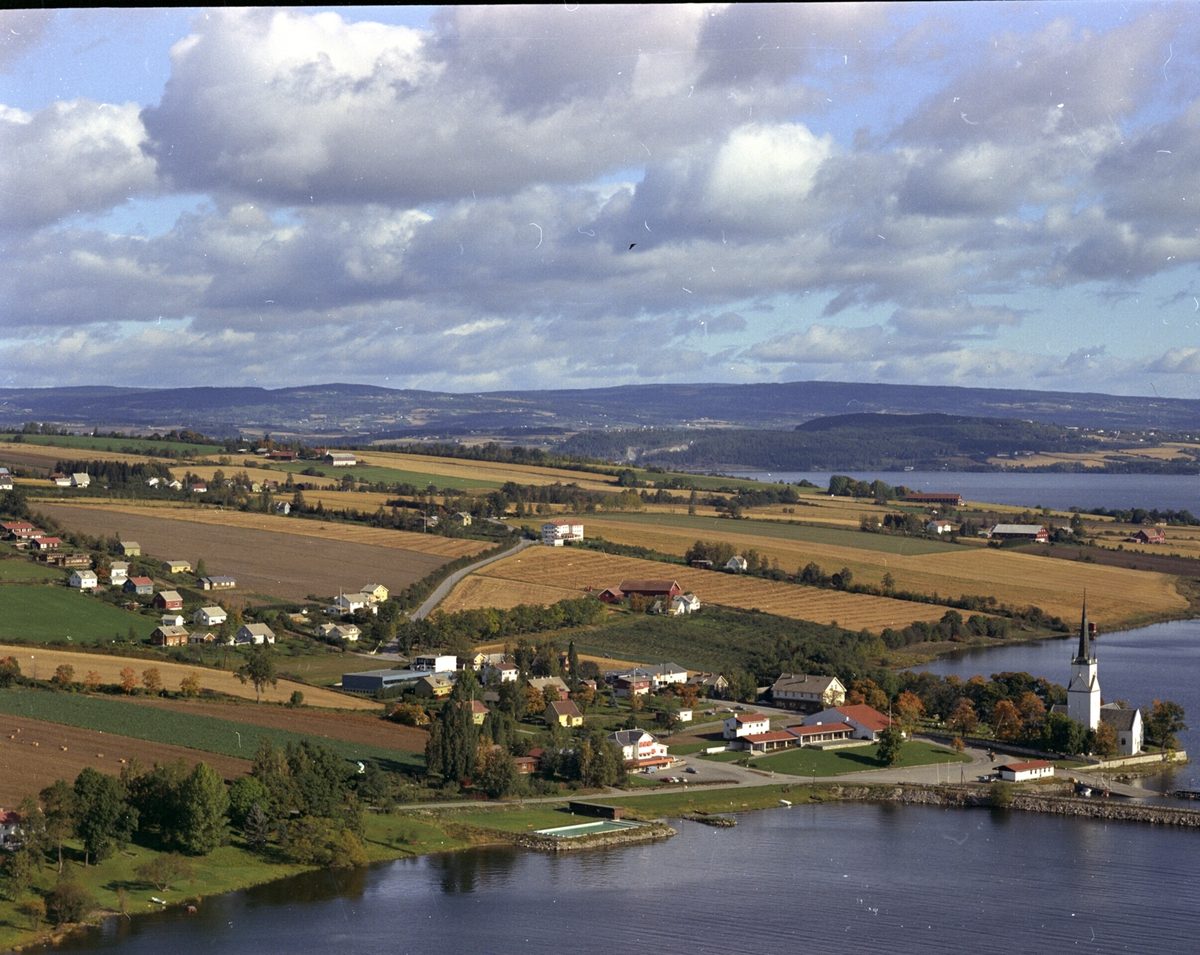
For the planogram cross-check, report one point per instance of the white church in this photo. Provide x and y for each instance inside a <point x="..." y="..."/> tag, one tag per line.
<point x="1083" y="698"/>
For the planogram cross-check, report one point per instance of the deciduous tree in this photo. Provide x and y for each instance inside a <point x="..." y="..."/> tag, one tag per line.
<point x="92" y="681"/>
<point x="1162" y="720"/>
<point x="152" y="680"/>
<point x="258" y="669"/>
<point x="189" y="686"/>
<point x="128" y="679"/>
<point x="963" y="719"/>
<point x="164" y="869"/>
<point x="891" y="743"/>
<point x="64" y="676"/>
<point x="1006" y="721"/>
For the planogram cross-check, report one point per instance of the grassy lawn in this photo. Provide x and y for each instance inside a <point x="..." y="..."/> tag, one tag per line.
<point x="521" y="820"/>
<point x="799" y="532"/>
<point x="716" y="800"/>
<point x="204" y="733"/>
<point x="815" y="762"/>
<point x="28" y="570"/>
<point x="52" y="614"/>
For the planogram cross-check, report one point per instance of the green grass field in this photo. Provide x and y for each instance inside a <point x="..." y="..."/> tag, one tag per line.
<point x="204" y="733"/>
<point x="47" y="614"/>
<point x="23" y="569"/>
<point x="882" y="543"/>
<point x="386" y="475"/>
<point x="815" y="762"/>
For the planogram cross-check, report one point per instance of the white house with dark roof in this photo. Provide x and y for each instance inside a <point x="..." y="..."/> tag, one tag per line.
<point x="746" y="724"/>
<point x="1128" y="726"/>
<point x="255" y="633"/>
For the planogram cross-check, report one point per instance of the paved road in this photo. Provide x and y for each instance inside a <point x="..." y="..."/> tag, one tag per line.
<point x="448" y="584"/>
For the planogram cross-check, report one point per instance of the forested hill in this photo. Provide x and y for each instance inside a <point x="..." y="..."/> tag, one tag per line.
<point x="841" y="442"/>
<point x="359" y="412"/>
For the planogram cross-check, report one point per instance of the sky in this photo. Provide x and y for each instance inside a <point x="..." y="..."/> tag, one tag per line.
<point x="468" y="199"/>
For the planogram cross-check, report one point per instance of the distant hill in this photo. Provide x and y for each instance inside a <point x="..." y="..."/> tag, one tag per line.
<point x="839" y="442"/>
<point x="359" y="413"/>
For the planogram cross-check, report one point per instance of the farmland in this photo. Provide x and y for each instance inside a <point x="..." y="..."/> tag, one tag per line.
<point x="45" y="660"/>
<point x="1117" y="596"/>
<point x="541" y="572"/>
<point x="23" y="569"/>
<point x="282" y="557"/>
<point x="115" y="717"/>
<point x="41" y="613"/>
<point x="67" y="445"/>
<point x="34" y="753"/>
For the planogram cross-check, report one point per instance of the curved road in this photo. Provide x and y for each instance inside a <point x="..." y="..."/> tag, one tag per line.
<point x="444" y="588"/>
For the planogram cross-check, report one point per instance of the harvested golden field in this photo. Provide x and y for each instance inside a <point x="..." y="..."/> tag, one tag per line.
<point x="266" y="554"/>
<point x="45" y="456"/>
<point x="1117" y="597"/>
<point x="42" y="661"/>
<point x="33" y="754"/>
<point x="556" y="574"/>
<point x="476" y="590"/>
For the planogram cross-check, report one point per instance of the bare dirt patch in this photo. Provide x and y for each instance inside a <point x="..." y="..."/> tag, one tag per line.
<point x="266" y="561"/>
<point x="352" y="727"/>
<point x="33" y="754"/>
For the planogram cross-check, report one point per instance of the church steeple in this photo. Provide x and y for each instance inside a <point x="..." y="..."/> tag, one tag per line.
<point x="1084" y="651"/>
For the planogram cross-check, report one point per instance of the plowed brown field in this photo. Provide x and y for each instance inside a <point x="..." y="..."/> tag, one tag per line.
<point x="269" y="557"/>
<point x="33" y="754"/>
<point x="44" y="660"/>
<point x="546" y="574"/>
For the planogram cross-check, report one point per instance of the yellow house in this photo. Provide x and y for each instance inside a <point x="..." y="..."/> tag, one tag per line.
<point x="564" y="713"/>
<point x="176" y="567"/>
<point x="479" y="712"/>
<point x="434" y="686"/>
<point x="376" y="593"/>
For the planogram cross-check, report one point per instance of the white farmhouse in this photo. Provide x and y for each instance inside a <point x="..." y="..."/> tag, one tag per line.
<point x="557" y="533"/>
<point x="84" y="580"/>
<point x="210" y="617"/>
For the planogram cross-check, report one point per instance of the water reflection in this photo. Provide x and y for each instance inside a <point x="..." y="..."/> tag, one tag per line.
<point x="464" y="872"/>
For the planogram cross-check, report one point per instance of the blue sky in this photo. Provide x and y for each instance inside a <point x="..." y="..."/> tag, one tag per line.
<point x="480" y="198"/>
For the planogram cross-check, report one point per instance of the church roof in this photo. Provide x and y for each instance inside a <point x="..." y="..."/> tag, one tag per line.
<point x="1118" y="718"/>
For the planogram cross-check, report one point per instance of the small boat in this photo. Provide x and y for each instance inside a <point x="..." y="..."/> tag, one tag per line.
<point x="784" y="802"/>
<point x="155" y="898"/>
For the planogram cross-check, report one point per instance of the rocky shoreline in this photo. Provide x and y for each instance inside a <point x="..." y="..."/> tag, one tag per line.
<point x="650" y="832"/>
<point x="967" y="797"/>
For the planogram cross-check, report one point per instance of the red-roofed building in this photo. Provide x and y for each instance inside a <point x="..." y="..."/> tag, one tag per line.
<point x="46" y="543"/>
<point x="867" y="721"/>
<point x="610" y="595"/>
<point x="746" y="724"/>
<point x="1150" y="535"/>
<point x="139" y="585"/>
<point x="651" y="588"/>
<point x="766" y="742"/>
<point x="823" y="733"/>
<point x="1020" y="772"/>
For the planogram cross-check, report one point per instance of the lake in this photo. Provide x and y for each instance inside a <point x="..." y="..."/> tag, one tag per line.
<point x="1059" y="491"/>
<point x="825" y="879"/>
<point x="1156" y="662"/>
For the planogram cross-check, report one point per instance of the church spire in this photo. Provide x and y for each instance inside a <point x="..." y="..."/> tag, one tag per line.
<point x="1084" y="652"/>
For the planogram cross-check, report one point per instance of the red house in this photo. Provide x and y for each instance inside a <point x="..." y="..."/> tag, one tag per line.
<point x="1153" y="535"/>
<point x="610" y="595"/>
<point x="651" y="588"/>
<point x="168" y="600"/>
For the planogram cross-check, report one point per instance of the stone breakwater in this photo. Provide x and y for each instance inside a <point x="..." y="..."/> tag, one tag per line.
<point x="1109" y="809"/>
<point x="650" y="832"/>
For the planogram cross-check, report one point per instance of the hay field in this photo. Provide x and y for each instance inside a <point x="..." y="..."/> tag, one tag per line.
<point x="42" y="661"/>
<point x="488" y="473"/>
<point x="42" y="456"/>
<point x="268" y="557"/>
<point x="61" y="752"/>
<point x="1117" y="597"/>
<point x="547" y="574"/>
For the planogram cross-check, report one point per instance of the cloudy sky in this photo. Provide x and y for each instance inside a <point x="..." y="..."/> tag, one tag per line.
<point x="464" y="199"/>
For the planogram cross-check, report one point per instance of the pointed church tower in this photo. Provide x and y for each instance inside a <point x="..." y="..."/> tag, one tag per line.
<point x="1083" y="692"/>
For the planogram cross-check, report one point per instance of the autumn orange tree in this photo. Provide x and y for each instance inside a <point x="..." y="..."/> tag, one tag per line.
<point x="190" y="684"/>
<point x="909" y="710"/>
<point x="1006" y="720"/>
<point x="64" y="676"/>
<point x="92" y="681"/>
<point x="128" y="679"/>
<point x="152" y="680"/>
<point x="963" y="719"/>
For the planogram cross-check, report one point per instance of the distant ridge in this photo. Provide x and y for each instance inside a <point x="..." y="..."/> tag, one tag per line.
<point x="351" y="411"/>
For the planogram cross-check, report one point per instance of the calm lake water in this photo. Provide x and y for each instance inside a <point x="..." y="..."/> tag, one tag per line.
<point x="828" y="879"/>
<point x="1060" y="491"/>
<point x="1157" y="662"/>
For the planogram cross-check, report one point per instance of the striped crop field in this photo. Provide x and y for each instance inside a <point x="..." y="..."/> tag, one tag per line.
<point x="41" y="662"/>
<point x="447" y="547"/>
<point x="546" y="574"/>
<point x="1117" y="596"/>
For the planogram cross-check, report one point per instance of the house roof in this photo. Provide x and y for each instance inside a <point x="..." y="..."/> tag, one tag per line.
<point x="649" y="586"/>
<point x="169" y="594"/>
<point x="774" y="736"/>
<point x="866" y="716"/>
<point x="1018" y="529"/>
<point x="629" y="737"/>
<point x="564" y="708"/>
<point x="804" y="682"/>
<point x="1117" y="718"/>
<point x="256" y="628"/>
<point x="141" y="581"/>
<point x="1029" y="764"/>
<point x="751" y="718"/>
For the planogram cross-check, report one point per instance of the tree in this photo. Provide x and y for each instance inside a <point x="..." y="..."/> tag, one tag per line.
<point x="203" y="803"/>
<point x="867" y="691"/>
<point x="246" y="793"/>
<point x="963" y="719"/>
<point x="1006" y="721"/>
<point x="189" y="686"/>
<point x="891" y="742"/>
<point x="91" y="682"/>
<point x="1061" y="734"/>
<point x="1104" y="740"/>
<point x="64" y="676"/>
<point x="889" y="582"/>
<point x="152" y="680"/>
<point x="10" y="671"/>
<point x="128" y="679"/>
<point x="34" y="910"/>
<point x="497" y="774"/>
<point x="909" y="710"/>
<point x="102" y="814"/>
<point x="164" y="869"/>
<point x="1162" y="720"/>
<point x="256" y="828"/>
<point x="69" y="901"/>
<point x="58" y="806"/>
<point x="259" y="669"/>
<point x="201" y="568"/>
<point x="16" y="870"/>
